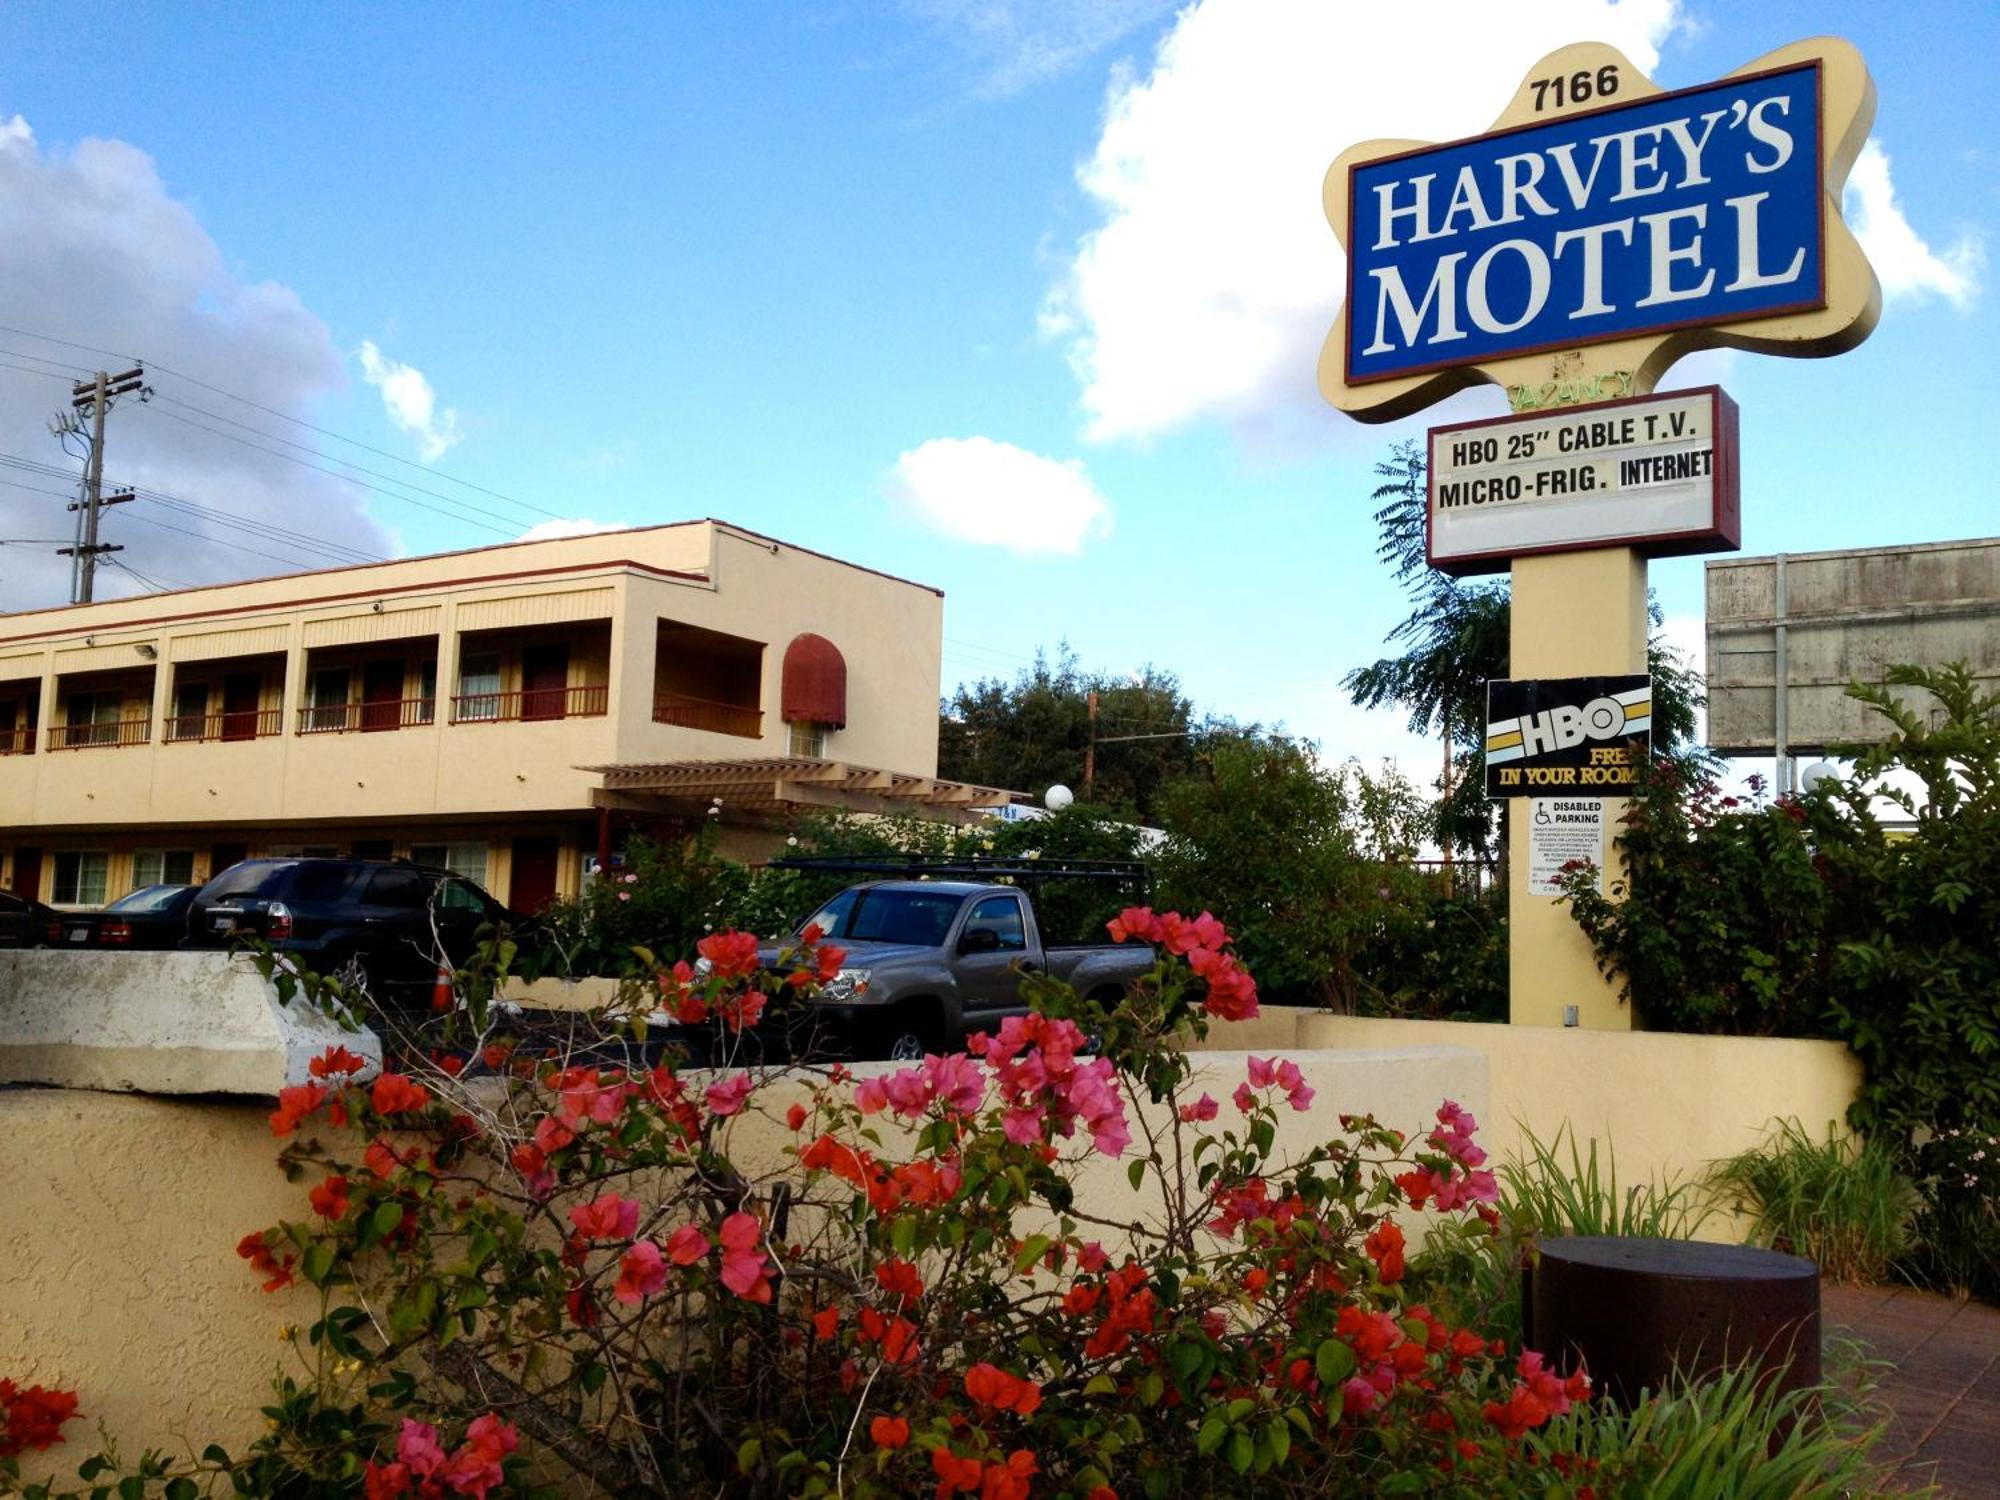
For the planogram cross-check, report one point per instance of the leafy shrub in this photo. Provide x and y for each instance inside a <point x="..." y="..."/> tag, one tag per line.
<point x="897" y="1292"/>
<point x="1839" y="1202"/>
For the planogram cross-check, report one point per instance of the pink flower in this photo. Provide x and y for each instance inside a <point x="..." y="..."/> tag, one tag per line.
<point x="726" y="1097"/>
<point x="1134" y="922"/>
<point x="607" y="1217"/>
<point x="417" y="1447"/>
<point x="686" y="1245"/>
<point x="1293" y="1082"/>
<point x="1262" y="1072"/>
<point x="1203" y="1108"/>
<point x="642" y="1271"/>
<point x="1243" y="1098"/>
<point x="744" y="1268"/>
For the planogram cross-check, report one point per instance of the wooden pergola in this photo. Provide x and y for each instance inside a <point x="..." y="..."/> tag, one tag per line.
<point x="768" y="791"/>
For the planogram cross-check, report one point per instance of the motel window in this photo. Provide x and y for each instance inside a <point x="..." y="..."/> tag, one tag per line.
<point x="809" y="741"/>
<point x="326" y="699"/>
<point x="468" y="860"/>
<point x="100" y="711"/>
<point x="427" y="691"/>
<point x="190" y="721"/>
<point x="162" y="867"/>
<point x="82" y="878"/>
<point x="479" y="687"/>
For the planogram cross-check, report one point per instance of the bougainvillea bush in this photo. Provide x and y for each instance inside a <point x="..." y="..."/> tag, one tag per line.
<point x="536" y="1276"/>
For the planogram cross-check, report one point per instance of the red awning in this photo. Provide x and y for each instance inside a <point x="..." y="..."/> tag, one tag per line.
<point x="815" y="683"/>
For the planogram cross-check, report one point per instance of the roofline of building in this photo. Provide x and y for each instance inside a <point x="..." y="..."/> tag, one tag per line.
<point x="275" y="606"/>
<point x="742" y="532"/>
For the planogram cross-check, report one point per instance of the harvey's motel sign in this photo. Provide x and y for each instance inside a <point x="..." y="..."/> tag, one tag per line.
<point x="1599" y="230"/>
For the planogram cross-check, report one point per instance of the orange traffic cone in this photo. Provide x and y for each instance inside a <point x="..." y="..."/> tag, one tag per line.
<point x="441" y="991"/>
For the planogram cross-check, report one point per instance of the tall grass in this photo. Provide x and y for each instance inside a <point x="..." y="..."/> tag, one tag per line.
<point x="1557" y="1188"/>
<point x="1581" y="1195"/>
<point x="1731" y="1437"/>
<point x="1839" y="1203"/>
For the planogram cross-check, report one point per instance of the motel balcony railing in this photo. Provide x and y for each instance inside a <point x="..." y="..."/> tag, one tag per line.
<point x="701" y="713"/>
<point x="245" y="724"/>
<point x="17" y="741"/>
<point x="532" y="705"/>
<point x="347" y="718"/>
<point x="115" y="734"/>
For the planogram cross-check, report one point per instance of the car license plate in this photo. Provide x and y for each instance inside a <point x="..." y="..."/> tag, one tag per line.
<point x="222" y="924"/>
<point x="79" y="934"/>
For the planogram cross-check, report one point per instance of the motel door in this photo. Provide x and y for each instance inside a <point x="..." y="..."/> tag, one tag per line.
<point x="544" y="681"/>
<point x="240" y="695"/>
<point x="532" y="885"/>
<point x="382" y="695"/>
<point x="28" y="873"/>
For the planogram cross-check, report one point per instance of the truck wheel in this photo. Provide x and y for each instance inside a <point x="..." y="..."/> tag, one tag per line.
<point x="906" y="1037"/>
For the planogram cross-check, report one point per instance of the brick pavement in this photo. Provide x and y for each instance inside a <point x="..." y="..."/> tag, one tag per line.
<point x="1942" y="1387"/>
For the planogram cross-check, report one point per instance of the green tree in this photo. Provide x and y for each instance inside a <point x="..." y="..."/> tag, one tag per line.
<point x="1278" y="846"/>
<point x="1036" y="730"/>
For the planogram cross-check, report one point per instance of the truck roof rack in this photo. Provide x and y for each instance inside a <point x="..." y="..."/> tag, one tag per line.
<point x="968" y="867"/>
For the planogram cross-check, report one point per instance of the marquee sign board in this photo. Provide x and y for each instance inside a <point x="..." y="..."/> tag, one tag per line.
<point x="1567" y="736"/>
<point x="1602" y="211"/>
<point x="1655" y="473"/>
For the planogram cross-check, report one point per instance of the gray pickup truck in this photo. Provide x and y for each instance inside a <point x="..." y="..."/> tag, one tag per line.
<point x="929" y="962"/>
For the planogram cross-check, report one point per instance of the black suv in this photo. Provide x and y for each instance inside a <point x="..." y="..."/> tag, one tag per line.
<point x="381" y="923"/>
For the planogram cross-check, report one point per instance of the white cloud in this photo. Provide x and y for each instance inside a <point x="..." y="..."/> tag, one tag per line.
<point x="116" y="262"/>
<point x="1213" y="277"/>
<point x="1019" y="43"/>
<point x="548" y="531"/>
<point x="979" y="490"/>
<point x="410" y="402"/>
<point x="1905" y="264"/>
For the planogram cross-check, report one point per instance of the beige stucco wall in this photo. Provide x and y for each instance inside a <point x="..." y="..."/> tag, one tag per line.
<point x="1664" y="1102"/>
<point x="119" y="1235"/>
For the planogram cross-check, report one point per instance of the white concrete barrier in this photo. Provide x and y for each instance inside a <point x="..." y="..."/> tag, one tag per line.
<point x="158" y="1023"/>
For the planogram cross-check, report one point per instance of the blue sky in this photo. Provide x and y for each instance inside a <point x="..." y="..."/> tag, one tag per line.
<point x="749" y="260"/>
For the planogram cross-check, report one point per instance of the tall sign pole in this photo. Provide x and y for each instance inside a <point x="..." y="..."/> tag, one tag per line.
<point x="1602" y="229"/>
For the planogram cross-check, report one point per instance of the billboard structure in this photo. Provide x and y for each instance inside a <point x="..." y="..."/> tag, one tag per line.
<point x="1787" y="633"/>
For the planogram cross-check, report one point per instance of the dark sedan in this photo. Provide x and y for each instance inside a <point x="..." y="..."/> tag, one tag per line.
<point x="154" y="916"/>
<point x="23" y="923"/>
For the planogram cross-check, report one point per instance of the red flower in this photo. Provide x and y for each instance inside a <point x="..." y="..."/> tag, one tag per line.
<point x="826" y="1323"/>
<point x="795" y="1117"/>
<point x="329" y="1199"/>
<point x="336" y="1062"/>
<point x="385" y="1481"/>
<point x="606" y="1217"/>
<point x="394" y="1094"/>
<point x="295" y="1104"/>
<point x="381" y="1158"/>
<point x="642" y="1271"/>
<point x="1385" y="1247"/>
<point x="899" y="1279"/>
<point x="745" y="1271"/>
<point x="954" y="1474"/>
<point x="889" y="1432"/>
<point x="991" y="1386"/>
<point x="731" y="955"/>
<point x="33" y="1416"/>
<point x="255" y="1249"/>
<point x="686" y="1245"/>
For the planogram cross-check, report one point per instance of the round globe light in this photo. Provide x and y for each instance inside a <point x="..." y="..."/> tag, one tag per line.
<point x="1818" y="771"/>
<point x="1057" y="797"/>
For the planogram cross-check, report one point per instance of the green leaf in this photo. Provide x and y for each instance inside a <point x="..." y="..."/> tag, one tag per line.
<point x="318" y="1263"/>
<point x="1149" y="1388"/>
<point x="1213" y="1430"/>
<point x="592" y="1378"/>
<point x="1242" y="1449"/>
<point x="181" y="1488"/>
<point x="748" y="1453"/>
<point x="1136" y="1173"/>
<point x="1033" y="1248"/>
<point x="1280" y="1435"/>
<point x="1100" y="1385"/>
<point x="903" y="1234"/>
<point x="386" y="1218"/>
<point x="1334" y="1362"/>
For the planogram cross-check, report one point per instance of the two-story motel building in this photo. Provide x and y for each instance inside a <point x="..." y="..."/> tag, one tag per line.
<point x="511" y="711"/>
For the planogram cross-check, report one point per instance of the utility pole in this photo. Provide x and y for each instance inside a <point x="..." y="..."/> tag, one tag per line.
<point x="1090" y="750"/>
<point x="97" y="394"/>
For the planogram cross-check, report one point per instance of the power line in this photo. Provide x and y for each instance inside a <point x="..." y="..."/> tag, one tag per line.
<point x="358" y="483"/>
<point x="334" y="551"/>
<point x="285" y="416"/>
